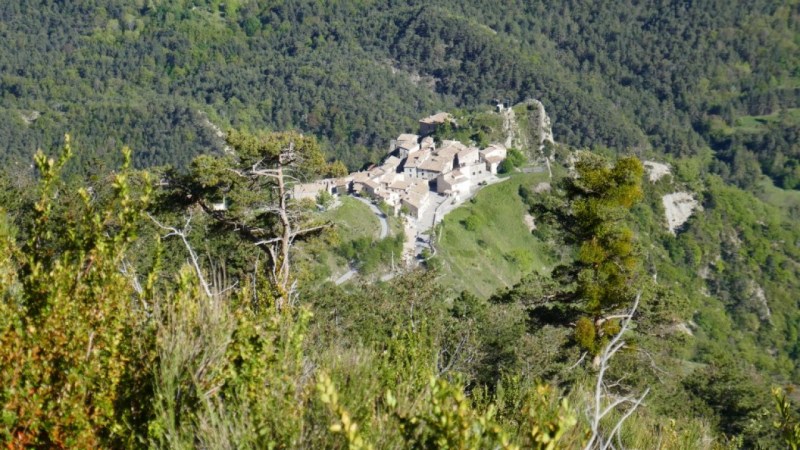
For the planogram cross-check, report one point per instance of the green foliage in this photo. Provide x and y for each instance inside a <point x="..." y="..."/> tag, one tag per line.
<point x="253" y="184"/>
<point x="787" y="422"/>
<point x="344" y="424"/>
<point x="370" y="255"/>
<point x="551" y="421"/>
<point x="741" y="405"/>
<point x="448" y="421"/>
<point x="154" y="76"/>
<point x="87" y="361"/>
<point x="514" y="159"/>
<point x="66" y="341"/>
<point x="325" y="199"/>
<point x="479" y="128"/>
<point x="593" y="214"/>
<point x="495" y="208"/>
<point x="92" y="358"/>
<point x="472" y="222"/>
<point x="586" y="334"/>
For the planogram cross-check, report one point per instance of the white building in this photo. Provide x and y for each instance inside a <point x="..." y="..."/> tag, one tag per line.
<point x="456" y="168"/>
<point x="453" y="183"/>
<point x="302" y="191"/>
<point x="433" y="167"/>
<point x="468" y="156"/>
<point x="493" y="155"/>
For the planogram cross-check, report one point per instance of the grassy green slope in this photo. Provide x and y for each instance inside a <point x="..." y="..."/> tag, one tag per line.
<point x="352" y="220"/>
<point x="499" y="249"/>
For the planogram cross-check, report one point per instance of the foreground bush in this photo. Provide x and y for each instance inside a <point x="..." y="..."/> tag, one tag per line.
<point x="95" y="353"/>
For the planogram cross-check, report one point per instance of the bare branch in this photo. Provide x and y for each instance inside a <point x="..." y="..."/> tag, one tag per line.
<point x="453" y="357"/>
<point x="580" y="360"/>
<point x="267" y="242"/>
<point x="131" y="275"/>
<point x="625" y="416"/>
<point x="601" y="393"/>
<point x="182" y="234"/>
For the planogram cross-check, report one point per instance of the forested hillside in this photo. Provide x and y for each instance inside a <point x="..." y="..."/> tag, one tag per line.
<point x="161" y="287"/>
<point x="672" y="77"/>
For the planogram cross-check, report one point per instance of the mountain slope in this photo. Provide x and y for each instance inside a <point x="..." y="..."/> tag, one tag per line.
<point x="625" y="76"/>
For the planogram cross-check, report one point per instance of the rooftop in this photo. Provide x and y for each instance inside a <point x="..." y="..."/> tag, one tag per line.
<point x="450" y="148"/>
<point x="401" y="184"/>
<point x="494" y="148"/>
<point x="417" y="158"/>
<point x="467" y="151"/>
<point x="309" y="188"/>
<point x="435" y="164"/>
<point x="392" y="161"/>
<point x="437" y="118"/>
<point x="416" y="198"/>
<point x="454" y="176"/>
<point x="406" y="137"/>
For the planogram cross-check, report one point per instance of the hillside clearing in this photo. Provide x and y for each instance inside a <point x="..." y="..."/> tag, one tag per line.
<point x="485" y="245"/>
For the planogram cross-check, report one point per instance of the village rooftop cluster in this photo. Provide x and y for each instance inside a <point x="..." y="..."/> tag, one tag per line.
<point x="415" y="168"/>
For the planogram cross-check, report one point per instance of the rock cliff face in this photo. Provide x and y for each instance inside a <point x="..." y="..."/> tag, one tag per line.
<point x="535" y="130"/>
<point x="544" y="128"/>
<point x="678" y="207"/>
<point x="656" y="171"/>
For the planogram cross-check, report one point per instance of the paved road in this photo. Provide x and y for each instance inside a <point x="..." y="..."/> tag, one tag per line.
<point x="384" y="232"/>
<point x="379" y="213"/>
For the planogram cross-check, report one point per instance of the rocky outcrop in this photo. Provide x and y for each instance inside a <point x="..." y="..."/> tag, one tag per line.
<point x="544" y="128"/>
<point x="218" y="133"/>
<point x="760" y="299"/>
<point x="511" y="129"/>
<point x="537" y="130"/>
<point x="678" y="207"/>
<point x="530" y="222"/>
<point x="656" y="171"/>
<point x="29" y="116"/>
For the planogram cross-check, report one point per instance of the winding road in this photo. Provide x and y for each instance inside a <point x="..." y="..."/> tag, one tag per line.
<point x="384" y="232"/>
<point x="379" y="213"/>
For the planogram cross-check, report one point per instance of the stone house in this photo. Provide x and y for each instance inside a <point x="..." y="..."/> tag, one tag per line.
<point x="405" y="144"/>
<point x="493" y="155"/>
<point x="427" y="126"/>
<point x="468" y="156"/>
<point x="432" y="167"/>
<point x="454" y="183"/>
<point x="303" y="191"/>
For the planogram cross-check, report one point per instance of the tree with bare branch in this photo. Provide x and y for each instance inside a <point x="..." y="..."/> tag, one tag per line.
<point x="604" y="401"/>
<point x="248" y="191"/>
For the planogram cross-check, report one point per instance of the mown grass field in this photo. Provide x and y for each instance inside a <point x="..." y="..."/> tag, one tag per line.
<point x="485" y="245"/>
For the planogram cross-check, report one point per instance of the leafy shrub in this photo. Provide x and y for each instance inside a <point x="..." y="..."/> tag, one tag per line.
<point x="66" y="318"/>
<point x="472" y="222"/>
<point x="586" y="334"/>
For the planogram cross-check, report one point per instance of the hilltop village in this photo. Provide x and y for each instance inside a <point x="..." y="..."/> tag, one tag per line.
<point x="418" y="176"/>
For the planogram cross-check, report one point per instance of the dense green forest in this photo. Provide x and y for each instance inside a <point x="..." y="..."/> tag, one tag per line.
<point x="134" y="313"/>
<point x="670" y="77"/>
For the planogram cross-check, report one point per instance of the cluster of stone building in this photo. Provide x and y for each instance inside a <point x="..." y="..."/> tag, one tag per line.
<point x="414" y="168"/>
